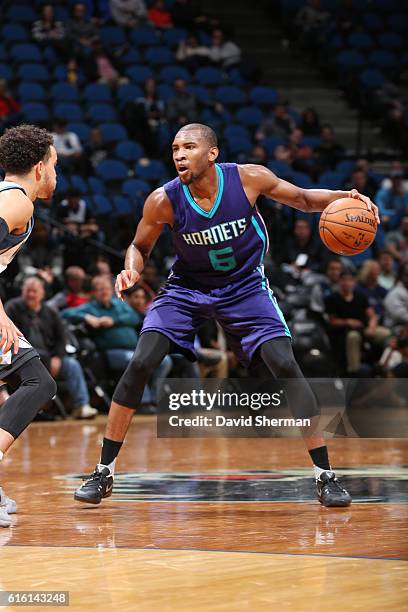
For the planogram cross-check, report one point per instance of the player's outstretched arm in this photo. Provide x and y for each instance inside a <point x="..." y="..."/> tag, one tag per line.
<point x="157" y="212"/>
<point x="258" y="180"/>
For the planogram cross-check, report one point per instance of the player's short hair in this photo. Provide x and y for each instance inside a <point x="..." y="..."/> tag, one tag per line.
<point x="22" y="147"/>
<point x="205" y="131"/>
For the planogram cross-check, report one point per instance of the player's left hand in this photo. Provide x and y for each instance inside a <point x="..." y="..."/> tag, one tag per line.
<point x="370" y="205"/>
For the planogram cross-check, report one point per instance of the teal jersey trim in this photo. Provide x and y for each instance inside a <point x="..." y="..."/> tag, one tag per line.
<point x="209" y="214"/>
<point x="263" y="238"/>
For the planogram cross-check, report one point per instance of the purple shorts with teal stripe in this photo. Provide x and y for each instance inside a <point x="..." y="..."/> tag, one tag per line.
<point x="246" y="310"/>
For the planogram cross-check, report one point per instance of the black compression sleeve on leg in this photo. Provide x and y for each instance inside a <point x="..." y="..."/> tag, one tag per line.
<point x="34" y="387"/>
<point x="150" y="350"/>
<point x="280" y="360"/>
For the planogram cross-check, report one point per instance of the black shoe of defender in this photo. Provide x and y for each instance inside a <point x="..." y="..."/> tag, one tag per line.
<point x="98" y="486"/>
<point x="329" y="491"/>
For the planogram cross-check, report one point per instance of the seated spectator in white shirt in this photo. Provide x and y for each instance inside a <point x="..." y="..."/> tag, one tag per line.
<point x="67" y="145"/>
<point x="128" y="13"/>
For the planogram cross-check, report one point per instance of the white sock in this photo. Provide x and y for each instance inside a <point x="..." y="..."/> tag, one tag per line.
<point x="318" y="471"/>
<point x="111" y="467"/>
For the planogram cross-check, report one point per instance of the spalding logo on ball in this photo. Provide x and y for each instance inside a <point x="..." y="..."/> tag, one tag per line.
<point x="347" y="227"/>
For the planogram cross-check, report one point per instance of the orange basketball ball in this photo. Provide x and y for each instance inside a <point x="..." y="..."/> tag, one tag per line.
<point x="347" y="227"/>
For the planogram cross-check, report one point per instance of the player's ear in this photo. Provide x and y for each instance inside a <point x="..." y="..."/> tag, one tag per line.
<point x="213" y="154"/>
<point x="39" y="170"/>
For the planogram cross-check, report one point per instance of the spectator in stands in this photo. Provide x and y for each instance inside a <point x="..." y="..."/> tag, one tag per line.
<point x="352" y="320"/>
<point x="41" y="256"/>
<point x="182" y="108"/>
<point x="152" y="281"/>
<point x="310" y="122"/>
<point x="68" y="146"/>
<point x="79" y="29"/>
<point x="300" y="153"/>
<point x="282" y="153"/>
<point x="158" y="15"/>
<point x="396" y="303"/>
<point x="211" y="351"/>
<point x="191" y="53"/>
<point x="258" y="155"/>
<point x="73" y="72"/>
<point x="9" y="107"/>
<point x="394" y="360"/>
<point x="43" y="327"/>
<point x="49" y="31"/>
<point x="107" y="73"/>
<point x="329" y="152"/>
<point x="73" y="210"/>
<point x="279" y="123"/>
<point x="393" y="202"/>
<point x="368" y="284"/>
<point x="75" y="291"/>
<point x="326" y="287"/>
<point x="143" y="117"/>
<point x="224" y="53"/>
<point x="388" y="275"/>
<point x="311" y="20"/>
<point x="361" y="181"/>
<point x="95" y="151"/>
<point x="138" y="299"/>
<point x="397" y="241"/>
<point x="188" y="14"/>
<point x="303" y="243"/>
<point x="128" y="13"/>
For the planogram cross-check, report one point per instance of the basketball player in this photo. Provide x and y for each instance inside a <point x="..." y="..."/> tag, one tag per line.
<point x="220" y="241"/>
<point x="28" y="158"/>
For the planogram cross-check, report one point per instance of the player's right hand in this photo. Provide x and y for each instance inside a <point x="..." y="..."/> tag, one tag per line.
<point x="9" y="334"/>
<point x="125" y="280"/>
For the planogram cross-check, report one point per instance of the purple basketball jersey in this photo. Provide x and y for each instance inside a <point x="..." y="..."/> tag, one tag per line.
<point x="220" y="246"/>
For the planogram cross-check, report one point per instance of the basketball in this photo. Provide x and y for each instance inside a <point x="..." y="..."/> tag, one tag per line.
<point x="347" y="227"/>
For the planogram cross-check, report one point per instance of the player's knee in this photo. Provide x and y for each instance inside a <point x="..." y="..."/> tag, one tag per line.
<point x="287" y="368"/>
<point x="138" y="366"/>
<point x="49" y="387"/>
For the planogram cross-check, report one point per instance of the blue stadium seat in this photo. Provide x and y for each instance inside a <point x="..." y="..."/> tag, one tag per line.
<point x="250" y="116"/>
<point x="13" y="33"/>
<point x="64" y="92"/>
<point x="128" y="93"/>
<point x="61" y="13"/>
<point x="3" y="53"/>
<point x="25" y="52"/>
<point x="301" y="179"/>
<point x="398" y="22"/>
<point x="100" y="205"/>
<point x="112" y="36"/>
<point x="113" y="132"/>
<point x="382" y="59"/>
<point x="62" y="184"/>
<point x="311" y="141"/>
<point x="346" y="166"/>
<point x="35" y="111"/>
<point x="131" y="57"/>
<point x="169" y="74"/>
<point x="159" y="56"/>
<point x="372" y="79"/>
<point x="173" y="36"/>
<point x="79" y="183"/>
<point x="391" y="40"/>
<point x="236" y="145"/>
<point x="33" y="72"/>
<point x="280" y="168"/>
<point x="272" y="142"/>
<point x="152" y="170"/>
<point x="112" y="170"/>
<point x="136" y="188"/>
<point x="372" y="22"/>
<point x="201" y="92"/>
<point x="358" y="259"/>
<point x="96" y="185"/>
<point x="350" y="58"/>
<point x="145" y="36"/>
<point x="165" y="92"/>
<point x="122" y="206"/>
<point x="82" y="130"/>
<point x="68" y="111"/>
<point x="129" y="151"/>
<point x="31" y="92"/>
<point x="96" y="92"/>
<point x="102" y="113"/>
<point x="230" y="95"/>
<point x="5" y="72"/>
<point x="139" y="74"/>
<point x="360" y="40"/>
<point x="236" y="131"/>
<point x="24" y="13"/>
<point x="332" y="180"/>
<point x="209" y="76"/>
<point x="60" y="74"/>
<point x="263" y="96"/>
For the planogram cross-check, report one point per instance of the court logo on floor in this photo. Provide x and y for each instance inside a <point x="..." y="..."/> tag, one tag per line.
<point x="367" y="484"/>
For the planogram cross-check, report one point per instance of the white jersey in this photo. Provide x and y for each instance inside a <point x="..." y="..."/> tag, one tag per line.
<point x="11" y="244"/>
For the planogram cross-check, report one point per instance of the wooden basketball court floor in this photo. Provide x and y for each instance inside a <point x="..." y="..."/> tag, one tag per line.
<point x="205" y="524"/>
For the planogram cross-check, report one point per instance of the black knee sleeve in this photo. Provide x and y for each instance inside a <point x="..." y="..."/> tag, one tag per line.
<point x="280" y="360"/>
<point x="34" y="387"/>
<point x="150" y="350"/>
